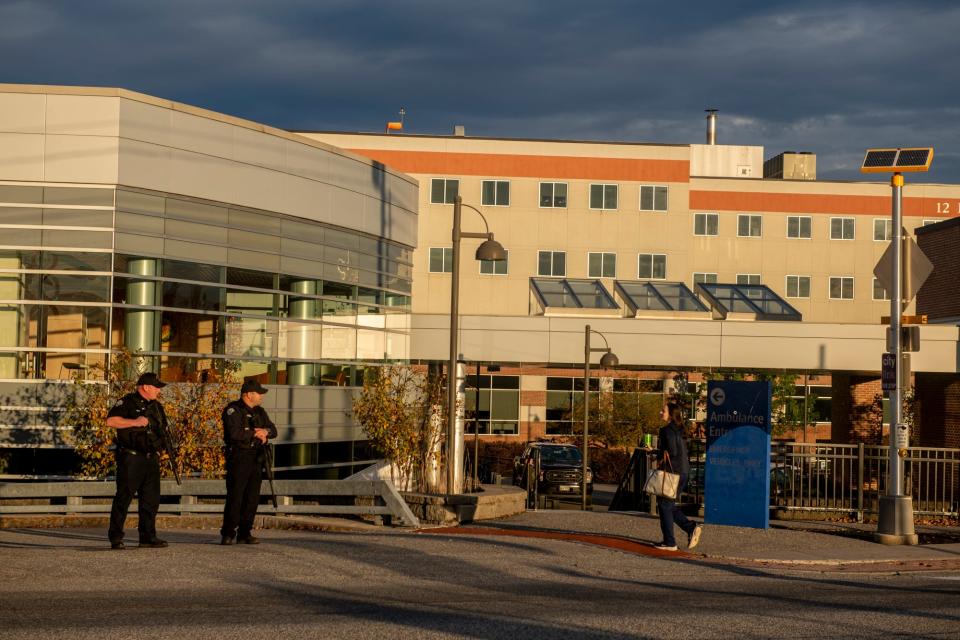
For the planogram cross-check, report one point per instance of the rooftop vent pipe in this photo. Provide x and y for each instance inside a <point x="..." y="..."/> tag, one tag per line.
<point x="711" y="126"/>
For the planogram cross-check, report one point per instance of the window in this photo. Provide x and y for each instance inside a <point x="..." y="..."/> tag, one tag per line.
<point x="499" y="410"/>
<point x="552" y="263"/>
<point x="495" y="193"/>
<point x="495" y="267"/>
<point x="748" y="278"/>
<point x="653" y="197"/>
<point x="798" y="226"/>
<point x="652" y="266"/>
<point x="841" y="228"/>
<point x="879" y="292"/>
<point x="818" y="401"/>
<point x="563" y="396"/>
<point x="706" y="278"/>
<point x="444" y="191"/>
<point x="798" y="286"/>
<point x="441" y="259"/>
<point x="841" y="288"/>
<point x="602" y="265"/>
<point x="603" y="196"/>
<point x="705" y="224"/>
<point x="882" y="229"/>
<point x="553" y="194"/>
<point x="748" y="226"/>
<point x="926" y="222"/>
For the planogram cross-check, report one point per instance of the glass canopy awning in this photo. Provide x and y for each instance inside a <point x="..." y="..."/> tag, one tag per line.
<point x="746" y="301"/>
<point x="658" y="298"/>
<point x="569" y="296"/>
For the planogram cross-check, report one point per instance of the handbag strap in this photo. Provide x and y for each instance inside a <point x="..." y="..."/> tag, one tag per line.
<point x="666" y="458"/>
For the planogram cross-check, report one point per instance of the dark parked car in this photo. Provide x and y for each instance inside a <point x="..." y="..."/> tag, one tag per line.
<point x="561" y="468"/>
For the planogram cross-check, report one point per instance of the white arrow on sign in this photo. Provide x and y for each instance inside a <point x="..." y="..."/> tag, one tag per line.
<point x="717" y="396"/>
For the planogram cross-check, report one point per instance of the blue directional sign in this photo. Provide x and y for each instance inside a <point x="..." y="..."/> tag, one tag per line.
<point x="737" y="476"/>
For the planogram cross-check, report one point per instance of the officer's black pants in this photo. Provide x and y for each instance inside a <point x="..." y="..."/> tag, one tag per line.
<point x="136" y="475"/>
<point x="243" y="492"/>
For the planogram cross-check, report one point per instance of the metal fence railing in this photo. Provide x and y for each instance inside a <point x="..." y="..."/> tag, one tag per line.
<point x="370" y="497"/>
<point x="852" y="478"/>
<point x="849" y="478"/>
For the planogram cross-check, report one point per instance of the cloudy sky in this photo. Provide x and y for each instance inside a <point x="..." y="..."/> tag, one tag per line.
<point x="830" y="77"/>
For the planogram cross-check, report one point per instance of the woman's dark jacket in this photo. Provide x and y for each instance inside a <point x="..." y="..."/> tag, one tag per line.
<point x="673" y="441"/>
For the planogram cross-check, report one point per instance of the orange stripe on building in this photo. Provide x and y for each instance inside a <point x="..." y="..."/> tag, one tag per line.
<point x="808" y="203"/>
<point x="527" y="166"/>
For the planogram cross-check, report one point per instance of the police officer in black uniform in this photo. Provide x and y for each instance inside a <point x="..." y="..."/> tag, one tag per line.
<point x="138" y="445"/>
<point x="246" y="429"/>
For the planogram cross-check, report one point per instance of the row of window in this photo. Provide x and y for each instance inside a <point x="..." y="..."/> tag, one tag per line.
<point x="840" y="288"/>
<point x="492" y="403"/>
<point x="554" y="263"/>
<point x="650" y="266"/>
<point x="496" y="193"/>
<point x="751" y="226"/>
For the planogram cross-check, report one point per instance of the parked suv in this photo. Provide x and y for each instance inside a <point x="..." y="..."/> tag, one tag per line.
<point x="561" y="468"/>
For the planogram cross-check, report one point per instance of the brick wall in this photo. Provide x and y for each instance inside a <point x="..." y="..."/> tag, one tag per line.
<point x="533" y="398"/>
<point x="938" y="396"/>
<point x="939" y="298"/>
<point x="854" y="414"/>
<point x="820" y="432"/>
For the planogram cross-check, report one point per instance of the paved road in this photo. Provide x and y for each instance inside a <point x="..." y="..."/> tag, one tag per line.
<point x="65" y="583"/>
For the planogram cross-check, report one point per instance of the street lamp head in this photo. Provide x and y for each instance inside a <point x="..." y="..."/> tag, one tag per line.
<point x="490" y="249"/>
<point x="609" y="359"/>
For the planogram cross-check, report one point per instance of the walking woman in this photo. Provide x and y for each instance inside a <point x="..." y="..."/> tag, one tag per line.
<point x="672" y="456"/>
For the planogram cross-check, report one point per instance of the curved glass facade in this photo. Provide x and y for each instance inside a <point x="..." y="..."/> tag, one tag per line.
<point x="190" y="284"/>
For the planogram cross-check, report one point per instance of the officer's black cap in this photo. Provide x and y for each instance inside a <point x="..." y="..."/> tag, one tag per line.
<point x="250" y="384"/>
<point x="151" y="379"/>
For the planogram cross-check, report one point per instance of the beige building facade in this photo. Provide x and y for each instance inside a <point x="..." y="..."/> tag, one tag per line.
<point x="619" y="214"/>
<point x="628" y="212"/>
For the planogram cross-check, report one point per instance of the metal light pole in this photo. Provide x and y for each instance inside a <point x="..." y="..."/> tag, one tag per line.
<point x="476" y="433"/>
<point x="895" y="487"/>
<point x="607" y="360"/>
<point x="895" y="521"/>
<point x="489" y="249"/>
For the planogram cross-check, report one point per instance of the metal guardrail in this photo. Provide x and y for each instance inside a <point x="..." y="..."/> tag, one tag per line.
<point x="206" y="496"/>
<point x="852" y="477"/>
<point x="848" y="478"/>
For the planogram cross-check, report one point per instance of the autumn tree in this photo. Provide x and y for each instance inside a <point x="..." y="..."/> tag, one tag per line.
<point x="401" y="411"/>
<point x="193" y="416"/>
<point x="618" y="419"/>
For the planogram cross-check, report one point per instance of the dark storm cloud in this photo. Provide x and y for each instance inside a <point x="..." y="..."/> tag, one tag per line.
<point x="828" y="77"/>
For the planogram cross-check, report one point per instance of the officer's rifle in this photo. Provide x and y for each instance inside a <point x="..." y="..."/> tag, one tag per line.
<point x="158" y="422"/>
<point x="268" y="467"/>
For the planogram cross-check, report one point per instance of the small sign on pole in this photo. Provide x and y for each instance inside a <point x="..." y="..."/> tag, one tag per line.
<point x="888" y="372"/>
<point x="903" y="436"/>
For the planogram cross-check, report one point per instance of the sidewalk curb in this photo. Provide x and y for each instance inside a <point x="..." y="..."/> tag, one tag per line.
<point x="845" y="566"/>
<point x="645" y="548"/>
<point x="300" y="523"/>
